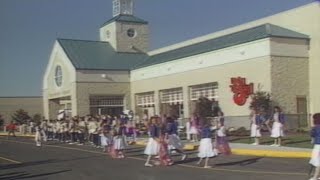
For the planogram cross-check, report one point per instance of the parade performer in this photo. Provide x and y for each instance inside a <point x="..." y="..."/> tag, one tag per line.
<point x="50" y="130"/>
<point x="131" y="132"/>
<point x="256" y="121"/>
<point x="38" y="135"/>
<point x="164" y="156"/>
<point x="72" y="130"/>
<point x="277" y="127"/>
<point x="153" y="146"/>
<point x="206" y="150"/>
<point x="105" y="142"/>
<point x="222" y="143"/>
<point x="194" y="128"/>
<point x="81" y="131"/>
<point x="119" y="143"/>
<point x="44" y="129"/>
<point x="315" y="157"/>
<point x="174" y="141"/>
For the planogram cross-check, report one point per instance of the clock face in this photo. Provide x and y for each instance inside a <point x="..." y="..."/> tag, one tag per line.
<point x="58" y="76"/>
<point x="131" y="32"/>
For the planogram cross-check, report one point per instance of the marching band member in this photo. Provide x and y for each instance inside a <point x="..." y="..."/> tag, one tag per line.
<point x="72" y="130"/>
<point x="81" y="131"/>
<point x="44" y="129"/>
<point x="38" y="135"/>
<point x="50" y="130"/>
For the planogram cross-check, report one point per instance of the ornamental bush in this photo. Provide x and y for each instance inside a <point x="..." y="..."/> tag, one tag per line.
<point x="21" y="116"/>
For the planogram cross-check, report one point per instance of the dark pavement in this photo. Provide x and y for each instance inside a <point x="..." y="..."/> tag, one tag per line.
<point x="21" y="159"/>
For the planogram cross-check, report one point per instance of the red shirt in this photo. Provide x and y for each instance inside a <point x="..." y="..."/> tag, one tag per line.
<point x="11" y="127"/>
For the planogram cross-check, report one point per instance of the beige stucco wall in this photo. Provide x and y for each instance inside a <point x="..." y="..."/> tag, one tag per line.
<point x="9" y="105"/>
<point x="50" y="90"/>
<point x="304" y="19"/>
<point x="84" y="90"/>
<point x="255" y="70"/>
<point x="102" y="76"/>
<point x="289" y="80"/>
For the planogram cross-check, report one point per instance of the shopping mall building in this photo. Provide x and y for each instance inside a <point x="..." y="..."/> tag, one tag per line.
<point x="279" y="54"/>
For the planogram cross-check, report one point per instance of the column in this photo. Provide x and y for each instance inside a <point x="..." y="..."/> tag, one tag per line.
<point x="157" y="102"/>
<point x="186" y="101"/>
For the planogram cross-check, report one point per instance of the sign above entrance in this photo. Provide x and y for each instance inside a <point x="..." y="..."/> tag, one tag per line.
<point x="241" y="90"/>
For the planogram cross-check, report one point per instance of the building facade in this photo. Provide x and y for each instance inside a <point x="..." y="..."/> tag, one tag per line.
<point x="278" y="54"/>
<point x="9" y="105"/>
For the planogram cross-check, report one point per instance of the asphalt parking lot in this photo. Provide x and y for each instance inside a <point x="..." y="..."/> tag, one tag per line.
<point x="21" y="159"/>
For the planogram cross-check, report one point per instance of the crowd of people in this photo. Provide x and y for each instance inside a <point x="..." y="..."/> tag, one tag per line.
<point x="114" y="134"/>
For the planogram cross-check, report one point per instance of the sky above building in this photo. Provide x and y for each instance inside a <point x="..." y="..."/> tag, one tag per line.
<point x="28" y="28"/>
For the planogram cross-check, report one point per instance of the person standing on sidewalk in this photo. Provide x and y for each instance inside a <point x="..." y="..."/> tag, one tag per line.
<point x="11" y="128"/>
<point x="315" y="156"/>
<point x="277" y="127"/>
<point x="256" y="121"/>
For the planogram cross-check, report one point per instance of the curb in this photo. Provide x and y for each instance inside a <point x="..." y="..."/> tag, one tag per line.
<point x="251" y="152"/>
<point x="18" y="135"/>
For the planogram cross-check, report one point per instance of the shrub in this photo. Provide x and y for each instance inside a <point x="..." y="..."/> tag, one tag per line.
<point x="21" y="116"/>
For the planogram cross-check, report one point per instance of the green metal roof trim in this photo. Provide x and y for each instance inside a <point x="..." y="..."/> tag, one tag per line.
<point x="126" y="18"/>
<point x="248" y="35"/>
<point x="97" y="55"/>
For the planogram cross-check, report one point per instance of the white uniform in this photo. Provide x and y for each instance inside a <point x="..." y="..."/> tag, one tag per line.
<point x="38" y="138"/>
<point x="255" y="130"/>
<point x="277" y="127"/>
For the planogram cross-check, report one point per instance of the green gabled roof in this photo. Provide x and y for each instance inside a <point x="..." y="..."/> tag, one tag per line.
<point x="126" y="18"/>
<point x="97" y="55"/>
<point x="248" y="35"/>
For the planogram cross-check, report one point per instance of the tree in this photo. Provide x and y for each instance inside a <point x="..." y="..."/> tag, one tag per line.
<point x="21" y="116"/>
<point x="261" y="101"/>
<point x="204" y="109"/>
<point x="37" y="118"/>
<point x="1" y="120"/>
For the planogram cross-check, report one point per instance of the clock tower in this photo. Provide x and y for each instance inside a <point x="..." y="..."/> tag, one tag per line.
<point x="125" y="32"/>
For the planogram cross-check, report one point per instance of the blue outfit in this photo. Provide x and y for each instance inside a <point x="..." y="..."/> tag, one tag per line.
<point x="154" y="131"/>
<point x="282" y="118"/>
<point x="206" y="133"/>
<point x="315" y="133"/>
<point x="172" y="128"/>
<point x="259" y="119"/>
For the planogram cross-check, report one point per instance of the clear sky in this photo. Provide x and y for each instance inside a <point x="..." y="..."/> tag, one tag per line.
<point x="28" y="28"/>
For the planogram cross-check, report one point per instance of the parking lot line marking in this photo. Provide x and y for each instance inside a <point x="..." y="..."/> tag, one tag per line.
<point x="182" y="165"/>
<point x="10" y="160"/>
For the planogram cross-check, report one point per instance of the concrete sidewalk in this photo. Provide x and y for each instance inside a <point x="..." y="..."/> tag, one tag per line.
<point x="253" y="150"/>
